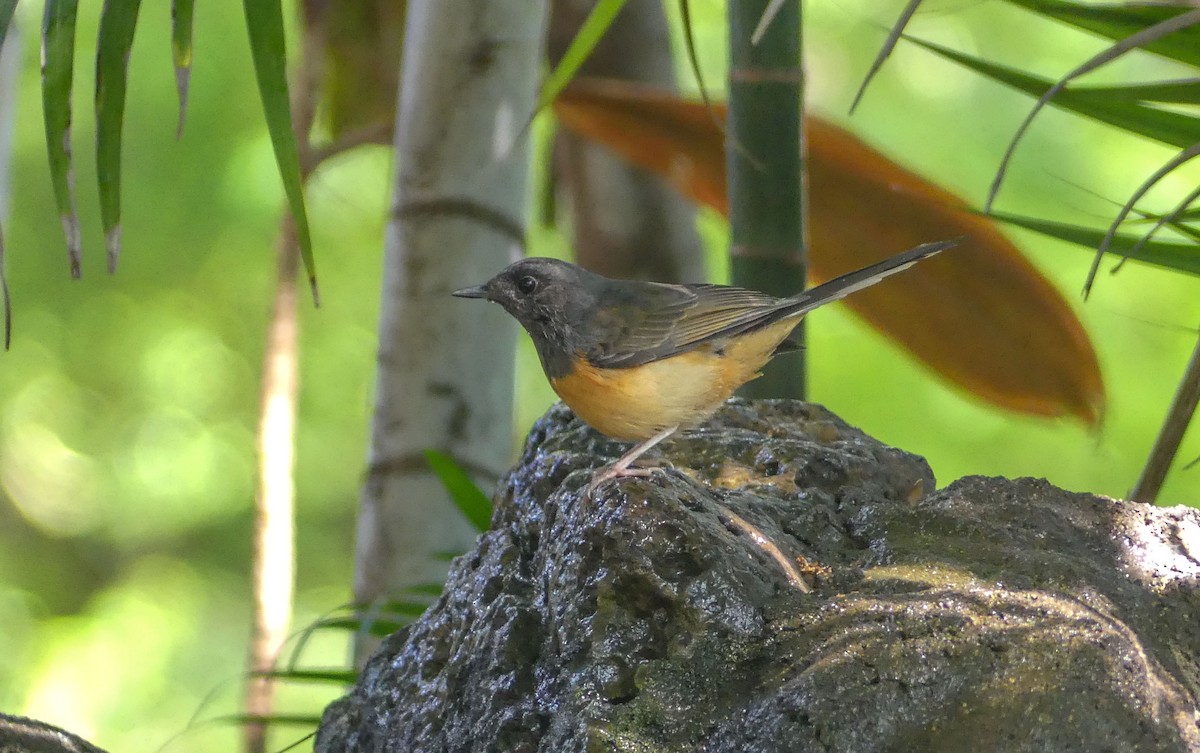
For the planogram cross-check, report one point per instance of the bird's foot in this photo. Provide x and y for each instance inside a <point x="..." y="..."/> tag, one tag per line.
<point x="623" y="467"/>
<point x="616" y="471"/>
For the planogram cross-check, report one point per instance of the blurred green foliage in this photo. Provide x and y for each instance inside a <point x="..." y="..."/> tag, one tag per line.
<point x="128" y="403"/>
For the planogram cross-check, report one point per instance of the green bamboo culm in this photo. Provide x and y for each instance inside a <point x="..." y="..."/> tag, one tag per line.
<point x="764" y="157"/>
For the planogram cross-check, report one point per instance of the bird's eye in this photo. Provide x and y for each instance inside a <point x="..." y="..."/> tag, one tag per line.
<point x="527" y="285"/>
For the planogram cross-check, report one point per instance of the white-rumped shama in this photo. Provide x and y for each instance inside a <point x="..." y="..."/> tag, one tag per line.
<point x="640" y="360"/>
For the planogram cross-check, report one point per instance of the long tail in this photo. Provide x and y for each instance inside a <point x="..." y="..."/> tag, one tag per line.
<point x="843" y="286"/>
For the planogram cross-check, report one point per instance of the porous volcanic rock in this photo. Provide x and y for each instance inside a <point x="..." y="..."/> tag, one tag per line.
<point x="19" y="734"/>
<point x="992" y="615"/>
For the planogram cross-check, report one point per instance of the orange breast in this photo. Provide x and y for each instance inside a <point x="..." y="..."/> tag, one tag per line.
<point x="635" y="403"/>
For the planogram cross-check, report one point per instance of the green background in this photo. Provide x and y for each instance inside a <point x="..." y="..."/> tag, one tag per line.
<point x="128" y="403"/>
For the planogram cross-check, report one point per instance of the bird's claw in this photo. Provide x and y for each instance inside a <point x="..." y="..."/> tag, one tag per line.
<point x="612" y="473"/>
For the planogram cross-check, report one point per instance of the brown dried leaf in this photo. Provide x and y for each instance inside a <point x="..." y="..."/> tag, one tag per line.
<point x="982" y="316"/>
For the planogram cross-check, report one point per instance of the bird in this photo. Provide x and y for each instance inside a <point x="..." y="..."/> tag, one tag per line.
<point x="639" y="361"/>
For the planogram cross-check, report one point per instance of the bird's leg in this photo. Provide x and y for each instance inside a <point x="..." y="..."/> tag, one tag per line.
<point x="621" y="468"/>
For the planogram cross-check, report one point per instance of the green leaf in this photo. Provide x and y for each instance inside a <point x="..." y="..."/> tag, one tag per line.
<point x="181" y="52"/>
<point x="1140" y="38"/>
<point x="378" y="626"/>
<point x="1170" y="219"/>
<point x="1174" y="128"/>
<point x="305" y="720"/>
<point x="466" y="495"/>
<point x="1187" y="230"/>
<point x="58" y="59"/>
<point x="1105" y="245"/>
<point x="885" y="51"/>
<point x="1182" y="92"/>
<point x="1189" y="215"/>
<point x="339" y="676"/>
<point x="397" y="609"/>
<point x="117" y="23"/>
<point x="1119" y="21"/>
<point x="581" y="47"/>
<point x="264" y="21"/>
<point x="400" y="613"/>
<point x="429" y="589"/>
<point x="1182" y="257"/>
<point x="6" y="13"/>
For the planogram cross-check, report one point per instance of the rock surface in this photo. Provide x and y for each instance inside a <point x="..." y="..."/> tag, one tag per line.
<point x="991" y="615"/>
<point x="19" y="734"/>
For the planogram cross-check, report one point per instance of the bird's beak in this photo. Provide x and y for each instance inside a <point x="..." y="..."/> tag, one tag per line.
<point x="478" y="291"/>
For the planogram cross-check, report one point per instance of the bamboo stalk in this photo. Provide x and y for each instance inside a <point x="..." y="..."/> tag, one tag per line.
<point x="764" y="153"/>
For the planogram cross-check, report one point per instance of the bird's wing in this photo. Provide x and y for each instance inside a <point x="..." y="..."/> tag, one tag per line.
<point x="652" y="321"/>
<point x="668" y="324"/>
<point x="721" y="311"/>
<point x="634" y="318"/>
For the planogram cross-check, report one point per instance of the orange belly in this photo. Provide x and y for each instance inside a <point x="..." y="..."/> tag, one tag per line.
<point x="634" y="404"/>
